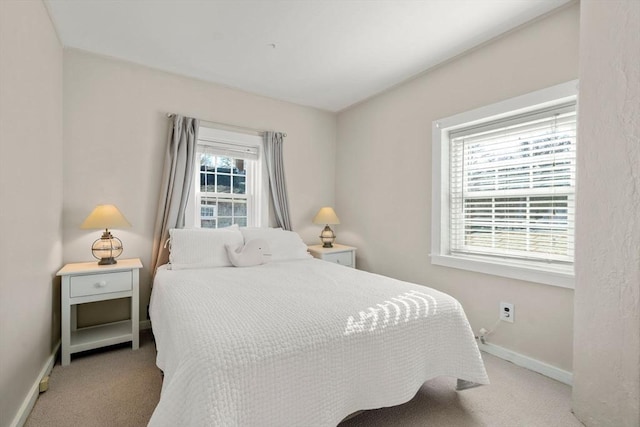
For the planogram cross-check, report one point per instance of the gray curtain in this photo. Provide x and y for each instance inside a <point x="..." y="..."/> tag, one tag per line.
<point x="176" y="183"/>
<point x="273" y="142"/>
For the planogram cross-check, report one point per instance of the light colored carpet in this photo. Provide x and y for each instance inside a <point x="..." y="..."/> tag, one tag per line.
<point x="106" y="387"/>
<point x="516" y="397"/>
<point x="120" y="387"/>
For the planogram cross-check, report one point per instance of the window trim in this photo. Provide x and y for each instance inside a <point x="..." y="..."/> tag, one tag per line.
<point x="257" y="179"/>
<point x="551" y="274"/>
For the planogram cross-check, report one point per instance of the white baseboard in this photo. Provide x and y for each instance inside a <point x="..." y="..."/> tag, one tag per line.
<point x="543" y="368"/>
<point x="34" y="391"/>
<point x="145" y="324"/>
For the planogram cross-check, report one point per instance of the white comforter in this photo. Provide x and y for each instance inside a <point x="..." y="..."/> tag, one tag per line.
<point x="299" y="343"/>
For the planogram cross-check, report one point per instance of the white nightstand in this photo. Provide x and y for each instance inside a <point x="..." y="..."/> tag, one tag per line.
<point x="339" y="254"/>
<point x="89" y="282"/>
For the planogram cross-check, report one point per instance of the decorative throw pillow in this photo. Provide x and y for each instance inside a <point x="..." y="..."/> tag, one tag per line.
<point x="254" y="252"/>
<point x="285" y="245"/>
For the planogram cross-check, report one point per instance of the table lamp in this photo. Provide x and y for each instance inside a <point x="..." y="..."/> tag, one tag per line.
<point x="326" y="216"/>
<point x="107" y="248"/>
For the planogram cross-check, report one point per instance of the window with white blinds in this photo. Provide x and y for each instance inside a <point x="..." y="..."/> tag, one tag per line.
<point x="504" y="194"/>
<point x="512" y="186"/>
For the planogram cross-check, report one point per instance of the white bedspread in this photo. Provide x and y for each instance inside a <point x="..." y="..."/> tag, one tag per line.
<point x="299" y="343"/>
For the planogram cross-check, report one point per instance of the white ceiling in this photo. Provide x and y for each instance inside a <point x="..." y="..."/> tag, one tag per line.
<point x="327" y="54"/>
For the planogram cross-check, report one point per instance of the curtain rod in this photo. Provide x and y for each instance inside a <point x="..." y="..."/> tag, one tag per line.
<point x="229" y="126"/>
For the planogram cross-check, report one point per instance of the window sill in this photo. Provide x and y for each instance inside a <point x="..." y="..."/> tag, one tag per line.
<point x="555" y="276"/>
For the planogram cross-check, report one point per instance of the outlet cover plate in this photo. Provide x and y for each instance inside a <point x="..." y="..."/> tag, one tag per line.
<point x="507" y="312"/>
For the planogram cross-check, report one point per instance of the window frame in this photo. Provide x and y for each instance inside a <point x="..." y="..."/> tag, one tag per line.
<point x="230" y="143"/>
<point x="534" y="271"/>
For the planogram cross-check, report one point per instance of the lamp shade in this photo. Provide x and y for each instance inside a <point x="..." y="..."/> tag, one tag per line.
<point x="105" y="216"/>
<point x="326" y="215"/>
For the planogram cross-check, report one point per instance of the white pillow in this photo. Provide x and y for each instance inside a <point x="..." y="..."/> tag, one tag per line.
<point x="202" y="247"/>
<point x="285" y="245"/>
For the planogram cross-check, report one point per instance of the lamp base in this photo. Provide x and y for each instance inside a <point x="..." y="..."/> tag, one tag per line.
<point x="106" y="249"/>
<point x="327" y="237"/>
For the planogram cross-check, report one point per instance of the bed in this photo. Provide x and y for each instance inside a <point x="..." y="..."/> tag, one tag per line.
<point x="296" y="341"/>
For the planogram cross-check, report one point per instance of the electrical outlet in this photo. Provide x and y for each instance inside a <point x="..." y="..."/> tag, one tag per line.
<point x="507" y="312"/>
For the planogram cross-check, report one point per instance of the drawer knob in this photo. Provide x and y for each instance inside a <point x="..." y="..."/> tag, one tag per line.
<point x="101" y="284"/>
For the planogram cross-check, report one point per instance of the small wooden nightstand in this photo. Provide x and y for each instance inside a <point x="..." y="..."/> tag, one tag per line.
<point x="89" y="282"/>
<point x="339" y="254"/>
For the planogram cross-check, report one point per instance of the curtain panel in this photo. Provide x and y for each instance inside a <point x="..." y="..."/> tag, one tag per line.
<point x="273" y="150"/>
<point x="176" y="184"/>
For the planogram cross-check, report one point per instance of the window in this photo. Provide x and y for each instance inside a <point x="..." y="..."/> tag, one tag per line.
<point x="228" y="184"/>
<point x="504" y="187"/>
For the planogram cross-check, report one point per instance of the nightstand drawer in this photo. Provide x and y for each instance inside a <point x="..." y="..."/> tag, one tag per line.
<point x="342" y="258"/>
<point x="337" y="254"/>
<point x="95" y="284"/>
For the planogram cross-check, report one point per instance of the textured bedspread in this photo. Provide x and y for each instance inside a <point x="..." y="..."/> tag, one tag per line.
<point x="299" y="343"/>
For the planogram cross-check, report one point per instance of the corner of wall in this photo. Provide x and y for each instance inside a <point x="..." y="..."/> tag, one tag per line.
<point x="606" y="389"/>
<point x="31" y="188"/>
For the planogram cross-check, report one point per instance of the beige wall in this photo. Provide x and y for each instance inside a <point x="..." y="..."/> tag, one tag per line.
<point x="383" y="176"/>
<point x="115" y="128"/>
<point x="607" y="297"/>
<point x="114" y="121"/>
<point x="30" y="197"/>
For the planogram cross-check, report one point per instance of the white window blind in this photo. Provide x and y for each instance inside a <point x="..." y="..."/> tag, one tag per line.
<point x="512" y="186"/>
<point x="228" y="149"/>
